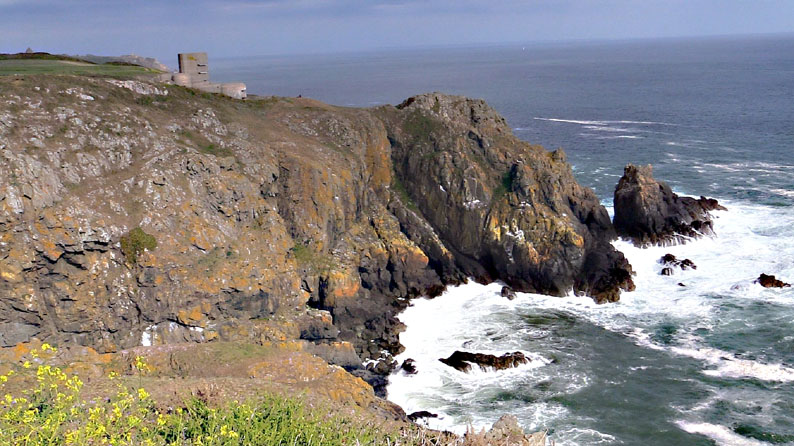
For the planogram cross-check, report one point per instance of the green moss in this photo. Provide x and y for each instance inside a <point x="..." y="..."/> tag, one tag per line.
<point x="210" y="261"/>
<point x="504" y="187"/>
<point x="147" y="100"/>
<point x="420" y="126"/>
<point x="398" y="187"/>
<point x="135" y="242"/>
<point x="212" y="149"/>
<point x="309" y="258"/>
<point x="436" y="106"/>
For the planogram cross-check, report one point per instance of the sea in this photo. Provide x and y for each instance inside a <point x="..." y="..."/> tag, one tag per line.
<point x="703" y="357"/>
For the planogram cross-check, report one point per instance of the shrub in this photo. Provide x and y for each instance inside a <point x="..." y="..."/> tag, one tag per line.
<point x="135" y="242"/>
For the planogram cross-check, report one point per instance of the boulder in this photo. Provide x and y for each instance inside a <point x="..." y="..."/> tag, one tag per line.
<point x="409" y="366"/>
<point x="769" y="281"/>
<point x="667" y="271"/>
<point x="422" y="414"/>
<point x="671" y="261"/>
<point x="508" y="292"/>
<point x="647" y="212"/>
<point x="463" y="360"/>
<point x="506" y="431"/>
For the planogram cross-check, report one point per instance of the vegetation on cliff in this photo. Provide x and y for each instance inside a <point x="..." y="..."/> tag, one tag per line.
<point x="135" y="243"/>
<point x="44" y="405"/>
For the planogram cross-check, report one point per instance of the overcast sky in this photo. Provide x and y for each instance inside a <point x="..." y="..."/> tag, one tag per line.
<point x="161" y="28"/>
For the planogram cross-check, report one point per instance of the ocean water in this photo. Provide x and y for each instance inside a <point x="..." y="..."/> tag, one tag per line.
<point x="710" y="362"/>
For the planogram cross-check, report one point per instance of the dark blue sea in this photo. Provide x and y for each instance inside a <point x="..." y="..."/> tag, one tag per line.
<point x="711" y="362"/>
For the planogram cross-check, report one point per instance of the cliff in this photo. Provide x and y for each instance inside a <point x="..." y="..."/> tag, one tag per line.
<point x="136" y="214"/>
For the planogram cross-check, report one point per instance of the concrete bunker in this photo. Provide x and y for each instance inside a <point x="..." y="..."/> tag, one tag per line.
<point x="194" y="72"/>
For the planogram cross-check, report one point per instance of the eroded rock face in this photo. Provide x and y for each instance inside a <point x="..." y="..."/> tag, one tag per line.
<point x="275" y="219"/>
<point x="463" y="360"/>
<point x="499" y="208"/>
<point x="648" y="212"/>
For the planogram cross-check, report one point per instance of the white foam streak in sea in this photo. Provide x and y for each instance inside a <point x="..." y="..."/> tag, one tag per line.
<point x="720" y="434"/>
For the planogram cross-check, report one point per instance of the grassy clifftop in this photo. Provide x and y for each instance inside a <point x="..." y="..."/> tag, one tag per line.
<point x="45" y="63"/>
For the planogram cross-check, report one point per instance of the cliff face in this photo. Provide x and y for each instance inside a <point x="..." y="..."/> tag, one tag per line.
<point x="505" y="209"/>
<point x="133" y="213"/>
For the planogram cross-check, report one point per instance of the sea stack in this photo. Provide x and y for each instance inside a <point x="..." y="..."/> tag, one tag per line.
<point x="648" y="212"/>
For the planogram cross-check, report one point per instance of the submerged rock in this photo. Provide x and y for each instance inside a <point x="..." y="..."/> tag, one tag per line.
<point x="768" y="281"/>
<point x="647" y="212"/>
<point x="463" y="360"/>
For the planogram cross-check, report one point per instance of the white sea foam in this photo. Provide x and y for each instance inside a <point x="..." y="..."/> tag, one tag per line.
<point x="720" y="434"/>
<point x="750" y="240"/>
<point x="602" y="123"/>
<point x="728" y="366"/>
<point x="784" y="192"/>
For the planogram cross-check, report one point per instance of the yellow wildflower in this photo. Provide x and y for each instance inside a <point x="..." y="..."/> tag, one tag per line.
<point x="142" y="394"/>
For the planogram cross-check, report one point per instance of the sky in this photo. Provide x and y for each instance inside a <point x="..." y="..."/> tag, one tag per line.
<point x="162" y="28"/>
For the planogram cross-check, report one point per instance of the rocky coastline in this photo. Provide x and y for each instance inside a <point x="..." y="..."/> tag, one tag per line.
<point x="138" y="215"/>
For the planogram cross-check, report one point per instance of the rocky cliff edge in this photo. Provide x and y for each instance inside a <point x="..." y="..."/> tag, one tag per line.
<point x="139" y="214"/>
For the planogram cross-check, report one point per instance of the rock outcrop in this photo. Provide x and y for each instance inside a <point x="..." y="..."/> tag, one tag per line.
<point x="272" y="220"/>
<point x="647" y="211"/>
<point x="769" y="281"/>
<point x="506" y="431"/>
<point x="670" y="262"/>
<point x="463" y="360"/>
<point x="498" y="207"/>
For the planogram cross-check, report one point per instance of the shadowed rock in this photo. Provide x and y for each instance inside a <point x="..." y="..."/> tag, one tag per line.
<point x="769" y="281"/>
<point x="409" y="366"/>
<point x="670" y="262"/>
<point x="508" y="292"/>
<point x="647" y="212"/>
<point x="463" y="360"/>
<point x="422" y="414"/>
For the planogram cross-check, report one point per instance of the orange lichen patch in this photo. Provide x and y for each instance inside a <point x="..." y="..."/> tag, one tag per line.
<point x="50" y="250"/>
<point x="343" y="387"/>
<point x="22" y="349"/>
<point x="379" y="162"/>
<point x="343" y="284"/>
<point x="193" y="315"/>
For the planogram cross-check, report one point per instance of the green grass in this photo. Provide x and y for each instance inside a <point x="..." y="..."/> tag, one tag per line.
<point x="10" y="67"/>
<point x="420" y="126"/>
